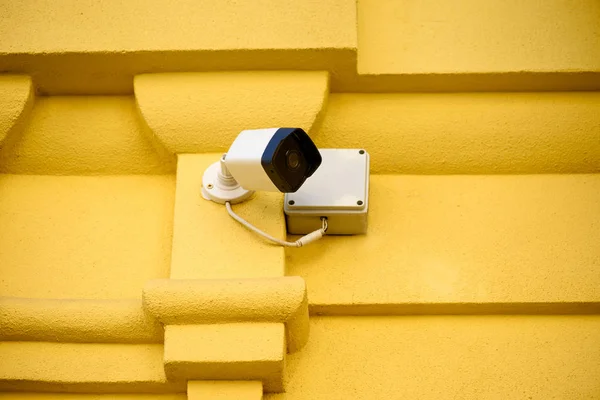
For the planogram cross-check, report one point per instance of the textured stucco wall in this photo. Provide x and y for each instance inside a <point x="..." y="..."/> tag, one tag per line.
<point x="447" y="244"/>
<point x="468" y="133"/>
<point x="84" y="237"/>
<point x="117" y="280"/>
<point x="429" y="36"/>
<point x="93" y="135"/>
<point x="448" y="357"/>
<point x="89" y="47"/>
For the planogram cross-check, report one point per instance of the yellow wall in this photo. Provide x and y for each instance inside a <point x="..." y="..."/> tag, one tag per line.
<point x="431" y="36"/>
<point x="479" y="274"/>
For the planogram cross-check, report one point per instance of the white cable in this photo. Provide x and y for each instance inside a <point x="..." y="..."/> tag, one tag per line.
<point x="304" y="240"/>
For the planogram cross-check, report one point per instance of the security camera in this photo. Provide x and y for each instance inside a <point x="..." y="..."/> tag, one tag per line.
<point x="273" y="159"/>
<point x="283" y="160"/>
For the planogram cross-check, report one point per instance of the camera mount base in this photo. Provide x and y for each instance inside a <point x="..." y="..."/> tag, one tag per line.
<point x="218" y="185"/>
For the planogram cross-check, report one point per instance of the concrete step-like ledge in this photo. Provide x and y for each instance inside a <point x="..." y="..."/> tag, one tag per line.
<point x="84" y="368"/>
<point x="491" y="308"/>
<point x="77" y="321"/>
<point x="237" y="351"/>
<point x="214" y="301"/>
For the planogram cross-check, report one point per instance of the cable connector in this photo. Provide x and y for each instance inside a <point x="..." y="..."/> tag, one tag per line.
<point x="303" y="241"/>
<point x="311" y="237"/>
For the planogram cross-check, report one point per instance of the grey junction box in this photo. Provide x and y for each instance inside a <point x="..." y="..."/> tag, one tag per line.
<point x="338" y="190"/>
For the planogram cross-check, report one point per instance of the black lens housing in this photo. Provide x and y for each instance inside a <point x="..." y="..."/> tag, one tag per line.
<point x="274" y="159"/>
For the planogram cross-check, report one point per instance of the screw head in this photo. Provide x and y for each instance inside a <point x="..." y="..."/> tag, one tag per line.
<point x="291" y="202"/>
<point x="360" y="202"/>
<point x="361" y="152"/>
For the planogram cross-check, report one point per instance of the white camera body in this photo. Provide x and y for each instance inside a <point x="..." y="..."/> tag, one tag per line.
<point x="244" y="159"/>
<point x="274" y="159"/>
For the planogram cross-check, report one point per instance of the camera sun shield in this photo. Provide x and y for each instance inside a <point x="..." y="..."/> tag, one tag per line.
<point x="290" y="158"/>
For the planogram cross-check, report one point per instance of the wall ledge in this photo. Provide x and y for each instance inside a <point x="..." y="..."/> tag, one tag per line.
<point x="84" y="368"/>
<point x="77" y="321"/>
<point x="213" y="301"/>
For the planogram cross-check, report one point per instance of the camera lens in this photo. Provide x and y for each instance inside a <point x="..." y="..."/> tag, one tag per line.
<point x="292" y="159"/>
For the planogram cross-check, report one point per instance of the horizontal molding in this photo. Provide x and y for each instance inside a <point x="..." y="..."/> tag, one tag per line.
<point x="468" y="133"/>
<point x="77" y="320"/>
<point x="209" y="36"/>
<point x="92" y="396"/>
<point x="213" y="301"/>
<point x="92" y="386"/>
<point x="493" y="81"/>
<point x="552" y="308"/>
<point x="84" y="367"/>
<point x="112" y="73"/>
<point x="204" y="112"/>
<point x="366" y="46"/>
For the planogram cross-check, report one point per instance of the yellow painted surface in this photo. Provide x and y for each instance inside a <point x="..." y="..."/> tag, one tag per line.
<point x="209" y="244"/>
<point x="468" y="133"/>
<point x="87" y="396"/>
<point x="113" y="72"/>
<point x="92" y="224"/>
<point x="246" y="351"/>
<point x="473" y="36"/>
<point x="84" y="237"/>
<point x="16" y="100"/>
<point x="441" y="133"/>
<point x="463" y="239"/>
<point x="87" y="26"/>
<point x="85" y="136"/>
<point x="448" y="357"/>
<point x="78" y="367"/>
<point x="462" y="45"/>
<point x="214" y="301"/>
<point x="204" y="112"/>
<point x="225" y="390"/>
<point x="88" y="47"/>
<point x="77" y="320"/>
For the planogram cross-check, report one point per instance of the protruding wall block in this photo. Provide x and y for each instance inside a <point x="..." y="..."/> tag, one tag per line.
<point x="225" y="390"/>
<point x="16" y="100"/>
<point x="218" y="301"/>
<point x="245" y="351"/>
<point x="203" y="112"/>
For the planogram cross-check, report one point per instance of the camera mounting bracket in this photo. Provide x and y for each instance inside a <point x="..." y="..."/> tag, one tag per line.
<point x="220" y="186"/>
